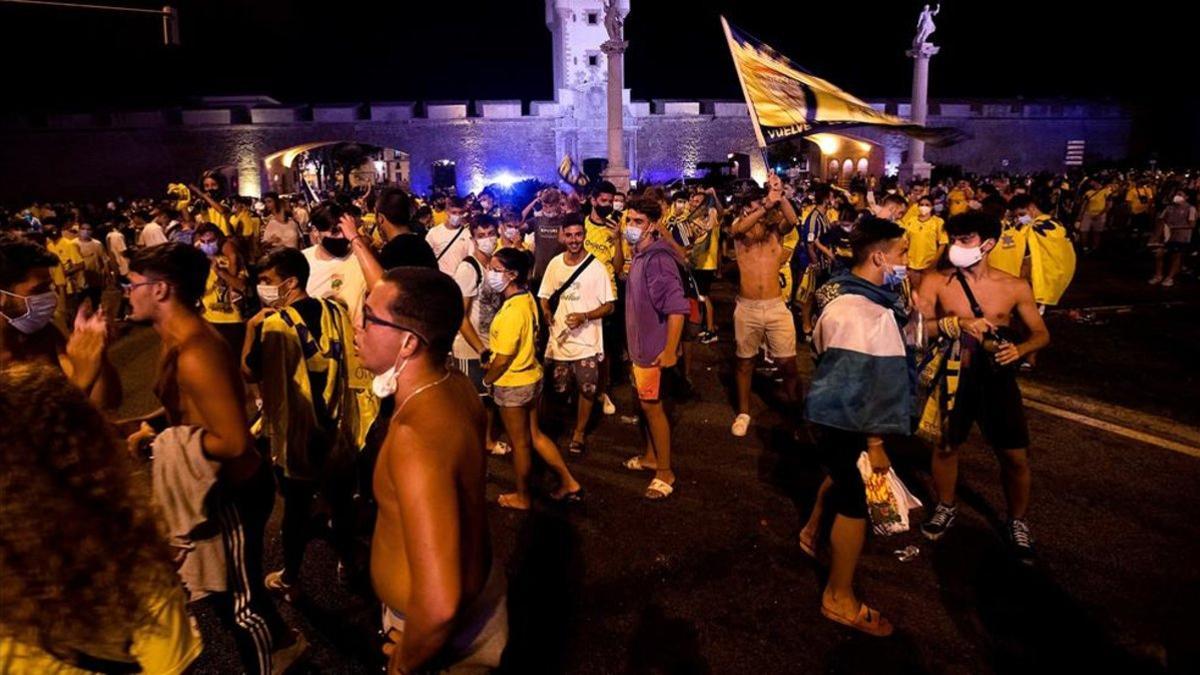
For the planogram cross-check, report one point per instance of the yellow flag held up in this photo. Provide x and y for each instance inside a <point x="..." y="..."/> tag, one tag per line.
<point x="1052" y="260"/>
<point x="786" y="101"/>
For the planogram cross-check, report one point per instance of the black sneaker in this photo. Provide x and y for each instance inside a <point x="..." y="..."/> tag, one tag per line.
<point x="941" y="520"/>
<point x="707" y="338"/>
<point x="1021" y="541"/>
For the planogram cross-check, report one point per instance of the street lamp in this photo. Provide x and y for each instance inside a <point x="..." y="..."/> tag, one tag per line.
<point x="170" y="15"/>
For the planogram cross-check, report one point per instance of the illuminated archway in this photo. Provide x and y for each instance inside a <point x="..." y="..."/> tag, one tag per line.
<point x="324" y="165"/>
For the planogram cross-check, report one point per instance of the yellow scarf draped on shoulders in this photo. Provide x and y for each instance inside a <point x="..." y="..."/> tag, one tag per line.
<point x="289" y="353"/>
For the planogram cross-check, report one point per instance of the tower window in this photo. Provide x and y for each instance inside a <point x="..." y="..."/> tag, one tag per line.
<point x="593" y="60"/>
<point x="593" y="18"/>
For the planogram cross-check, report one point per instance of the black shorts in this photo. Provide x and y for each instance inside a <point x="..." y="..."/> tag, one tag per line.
<point x="704" y="280"/>
<point x="839" y="450"/>
<point x="988" y="395"/>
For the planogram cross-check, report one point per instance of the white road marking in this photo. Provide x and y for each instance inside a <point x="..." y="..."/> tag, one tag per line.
<point x="1150" y="439"/>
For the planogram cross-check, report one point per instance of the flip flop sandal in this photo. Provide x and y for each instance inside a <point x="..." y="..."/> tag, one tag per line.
<point x="576" y="447"/>
<point x="500" y="448"/>
<point x="868" y="621"/>
<point x="658" y="490"/>
<point x="575" y="497"/>
<point x="635" y="464"/>
<point x="809" y="547"/>
<point x="507" y="504"/>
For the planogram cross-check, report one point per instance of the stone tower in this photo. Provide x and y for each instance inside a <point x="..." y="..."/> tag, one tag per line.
<point x="577" y="30"/>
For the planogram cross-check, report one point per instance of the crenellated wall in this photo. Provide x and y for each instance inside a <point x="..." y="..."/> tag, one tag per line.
<point x="96" y="156"/>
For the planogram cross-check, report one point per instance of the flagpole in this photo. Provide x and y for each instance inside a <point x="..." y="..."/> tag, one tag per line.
<point x="762" y="143"/>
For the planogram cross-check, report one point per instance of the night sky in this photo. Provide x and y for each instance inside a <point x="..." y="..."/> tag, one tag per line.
<point x="56" y="59"/>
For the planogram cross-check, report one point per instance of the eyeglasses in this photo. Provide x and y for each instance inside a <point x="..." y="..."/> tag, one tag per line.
<point x="127" y="287"/>
<point x="368" y="317"/>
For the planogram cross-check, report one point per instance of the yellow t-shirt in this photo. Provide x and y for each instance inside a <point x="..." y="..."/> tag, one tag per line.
<point x="218" y="297"/>
<point x="912" y="212"/>
<point x="165" y="647"/>
<point x="68" y="254"/>
<point x="1011" y="249"/>
<point x="957" y="202"/>
<point x="217" y="218"/>
<point x="246" y="225"/>
<point x="598" y="240"/>
<point x="706" y="253"/>
<point x="1097" y="201"/>
<point x="1139" y="206"/>
<point x="514" y="331"/>
<point x="924" y="238"/>
<point x="789" y="242"/>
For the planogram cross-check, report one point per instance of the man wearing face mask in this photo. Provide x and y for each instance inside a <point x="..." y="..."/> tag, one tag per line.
<point x="926" y="240"/>
<point x="480" y="304"/>
<point x="1036" y="248"/>
<point x="334" y="271"/>
<point x="862" y="390"/>
<point x="27" y="306"/>
<point x="95" y="265"/>
<point x="1177" y="221"/>
<point x="451" y="243"/>
<point x="227" y="284"/>
<point x="974" y="305"/>
<point x="603" y="240"/>
<point x="443" y="595"/>
<point x="211" y="195"/>
<point x="299" y="350"/>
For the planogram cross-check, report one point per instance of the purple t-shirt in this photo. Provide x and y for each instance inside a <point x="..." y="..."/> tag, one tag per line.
<point x="654" y="292"/>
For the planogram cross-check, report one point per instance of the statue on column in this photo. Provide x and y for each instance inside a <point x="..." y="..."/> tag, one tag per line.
<point x="613" y="22"/>
<point x="925" y="26"/>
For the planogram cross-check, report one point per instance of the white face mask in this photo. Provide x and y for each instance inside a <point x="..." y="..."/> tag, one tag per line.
<point x="454" y="220"/>
<point x="496" y="281"/>
<point x="487" y="245"/>
<point x="39" y="310"/>
<point x="1025" y="219"/>
<point x="270" y="295"/>
<point x="384" y="384"/>
<point x="965" y="256"/>
<point x="1179" y="199"/>
<point x="633" y="234"/>
<point x="512" y="233"/>
<point x="618" y="206"/>
<point x="924" y="210"/>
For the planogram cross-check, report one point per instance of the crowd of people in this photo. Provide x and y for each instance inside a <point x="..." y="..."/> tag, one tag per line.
<point x="377" y="349"/>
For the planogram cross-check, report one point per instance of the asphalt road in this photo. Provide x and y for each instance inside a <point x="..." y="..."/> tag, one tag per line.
<point x="712" y="581"/>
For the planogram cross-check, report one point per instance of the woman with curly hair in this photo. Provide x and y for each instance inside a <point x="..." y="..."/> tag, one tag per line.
<point x="88" y="583"/>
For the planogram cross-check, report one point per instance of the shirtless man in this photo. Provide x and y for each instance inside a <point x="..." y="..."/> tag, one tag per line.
<point x="987" y="392"/>
<point x="27" y="332"/>
<point x="431" y="555"/>
<point x="761" y="315"/>
<point x="199" y="384"/>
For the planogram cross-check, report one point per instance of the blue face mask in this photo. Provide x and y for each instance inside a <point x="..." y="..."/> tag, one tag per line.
<point x="895" y="276"/>
<point x="209" y="248"/>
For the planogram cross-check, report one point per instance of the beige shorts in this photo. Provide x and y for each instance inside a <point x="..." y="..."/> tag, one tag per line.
<point x="759" y="321"/>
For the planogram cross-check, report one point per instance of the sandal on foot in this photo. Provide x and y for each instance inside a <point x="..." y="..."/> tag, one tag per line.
<point x="576" y="447"/>
<point x="635" y="464"/>
<point x="575" y="497"/>
<point x="506" y="502"/>
<point x="809" y="547"/>
<point x="659" y="490"/>
<point x="868" y="621"/>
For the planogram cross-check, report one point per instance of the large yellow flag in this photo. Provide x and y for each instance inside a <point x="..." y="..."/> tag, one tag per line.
<point x="1051" y="260"/>
<point x="786" y="101"/>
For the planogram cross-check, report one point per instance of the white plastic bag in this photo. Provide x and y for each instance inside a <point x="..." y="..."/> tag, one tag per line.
<point x="888" y="500"/>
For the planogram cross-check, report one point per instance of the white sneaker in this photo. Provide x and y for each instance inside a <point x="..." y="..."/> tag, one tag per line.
<point x="1155" y="280"/>
<point x="607" y="404"/>
<point x="1168" y="283"/>
<point x="741" y="424"/>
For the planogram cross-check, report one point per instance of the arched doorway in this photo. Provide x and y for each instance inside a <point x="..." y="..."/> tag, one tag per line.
<point x="325" y="166"/>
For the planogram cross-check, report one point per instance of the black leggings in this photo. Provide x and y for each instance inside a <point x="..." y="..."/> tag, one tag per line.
<point x="243" y="513"/>
<point x="298" y="498"/>
<point x="839" y="451"/>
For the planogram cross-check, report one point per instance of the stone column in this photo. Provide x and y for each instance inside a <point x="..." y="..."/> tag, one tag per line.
<point x="916" y="166"/>
<point x="616" y="172"/>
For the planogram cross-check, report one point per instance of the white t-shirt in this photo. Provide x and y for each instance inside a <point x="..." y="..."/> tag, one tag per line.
<point x="152" y="235"/>
<point x="279" y="233"/>
<point x="484" y="305"/>
<point x="116" y="248"/>
<point x="338" y="278"/>
<point x="439" y="238"/>
<point x="592" y="289"/>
